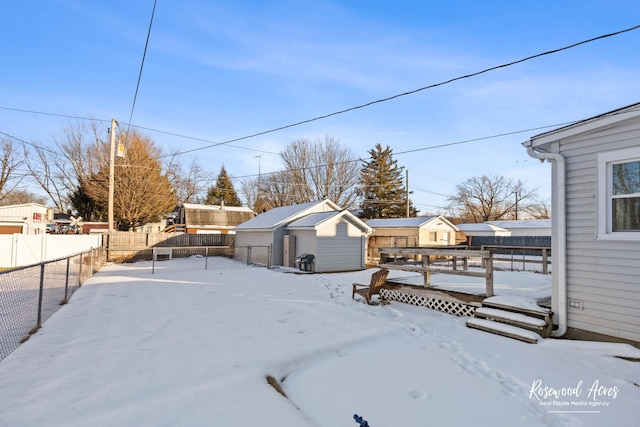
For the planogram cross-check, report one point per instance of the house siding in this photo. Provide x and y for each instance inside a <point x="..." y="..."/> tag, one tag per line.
<point x="602" y="275"/>
<point x="340" y="247"/>
<point x="305" y="241"/>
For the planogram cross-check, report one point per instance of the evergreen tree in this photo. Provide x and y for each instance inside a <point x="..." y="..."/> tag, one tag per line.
<point x="222" y="193"/>
<point x="87" y="207"/>
<point x="382" y="187"/>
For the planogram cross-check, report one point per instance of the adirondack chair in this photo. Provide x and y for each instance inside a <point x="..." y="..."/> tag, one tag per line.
<point x="378" y="279"/>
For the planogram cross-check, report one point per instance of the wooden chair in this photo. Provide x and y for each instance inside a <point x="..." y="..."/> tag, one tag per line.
<point x="378" y="279"/>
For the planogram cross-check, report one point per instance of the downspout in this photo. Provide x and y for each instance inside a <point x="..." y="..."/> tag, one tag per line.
<point x="559" y="252"/>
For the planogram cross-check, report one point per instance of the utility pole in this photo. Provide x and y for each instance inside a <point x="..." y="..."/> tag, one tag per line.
<point x="407" y="189"/>
<point x="259" y="156"/>
<point x="112" y="155"/>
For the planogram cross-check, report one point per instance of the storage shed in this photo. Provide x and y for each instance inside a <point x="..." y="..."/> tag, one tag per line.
<point x="596" y="224"/>
<point x="335" y="237"/>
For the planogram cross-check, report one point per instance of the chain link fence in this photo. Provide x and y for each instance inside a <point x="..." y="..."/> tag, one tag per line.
<point x="30" y="295"/>
<point x="256" y="254"/>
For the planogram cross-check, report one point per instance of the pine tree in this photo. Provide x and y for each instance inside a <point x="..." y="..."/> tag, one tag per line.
<point x="222" y="193"/>
<point x="382" y="187"/>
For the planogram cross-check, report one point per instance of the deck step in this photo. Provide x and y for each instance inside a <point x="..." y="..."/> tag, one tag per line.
<point x="511" y="318"/>
<point x="503" y="329"/>
<point x="521" y="320"/>
<point x="529" y="310"/>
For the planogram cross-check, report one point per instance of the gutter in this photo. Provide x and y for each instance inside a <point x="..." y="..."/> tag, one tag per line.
<point x="559" y="243"/>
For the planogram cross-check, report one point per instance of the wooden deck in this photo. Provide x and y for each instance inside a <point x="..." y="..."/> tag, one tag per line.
<point x="441" y="294"/>
<point x="400" y="257"/>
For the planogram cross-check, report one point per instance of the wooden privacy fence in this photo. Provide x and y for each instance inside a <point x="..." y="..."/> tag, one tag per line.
<point x="397" y="258"/>
<point x="128" y="245"/>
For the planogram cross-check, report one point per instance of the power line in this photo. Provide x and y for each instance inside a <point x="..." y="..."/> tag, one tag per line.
<point x="68" y="116"/>
<point x="144" y="54"/>
<point x="368" y="104"/>
<point x="431" y="147"/>
<point x="28" y="143"/>
<point x="45" y="113"/>
<point x="228" y="142"/>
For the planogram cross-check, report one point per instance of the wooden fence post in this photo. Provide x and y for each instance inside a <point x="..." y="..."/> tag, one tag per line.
<point x="489" y="272"/>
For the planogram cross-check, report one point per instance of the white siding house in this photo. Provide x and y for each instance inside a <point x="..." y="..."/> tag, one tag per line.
<point x="334" y="236"/>
<point x="410" y="232"/>
<point x="27" y="218"/>
<point x="595" y="225"/>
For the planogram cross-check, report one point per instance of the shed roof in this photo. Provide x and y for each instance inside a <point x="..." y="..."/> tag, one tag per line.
<point x="314" y="219"/>
<point x="481" y="226"/>
<point x="215" y="215"/>
<point x="415" y="222"/>
<point x="522" y="223"/>
<point x="283" y="215"/>
<point x="216" y="207"/>
<point x="23" y="205"/>
<point x="311" y="220"/>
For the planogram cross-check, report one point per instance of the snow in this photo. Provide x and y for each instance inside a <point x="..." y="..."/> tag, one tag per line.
<point x="188" y="346"/>
<point x="502" y="328"/>
<point x="517" y="317"/>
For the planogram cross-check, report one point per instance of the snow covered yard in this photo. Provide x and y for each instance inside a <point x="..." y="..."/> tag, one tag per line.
<point x="192" y="347"/>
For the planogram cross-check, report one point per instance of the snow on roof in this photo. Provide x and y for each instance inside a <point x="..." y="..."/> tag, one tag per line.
<point x="482" y="226"/>
<point x="216" y="207"/>
<point x="283" y="214"/>
<point x="524" y="223"/>
<point x="313" y="219"/>
<point x="399" y="222"/>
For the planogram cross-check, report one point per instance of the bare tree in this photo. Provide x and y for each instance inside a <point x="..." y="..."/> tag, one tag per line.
<point x="489" y="198"/>
<point x="277" y="190"/>
<point x="58" y="170"/>
<point x="314" y="170"/>
<point x="539" y="209"/>
<point x="9" y="164"/>
<point x="190" y="184"/>
<point x="18" y="197"/>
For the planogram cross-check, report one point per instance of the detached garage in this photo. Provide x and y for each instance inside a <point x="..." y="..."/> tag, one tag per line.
<point x="335" y="237"/>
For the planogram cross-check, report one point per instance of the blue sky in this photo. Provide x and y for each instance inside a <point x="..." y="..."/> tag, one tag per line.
<point x="221" y="70"/>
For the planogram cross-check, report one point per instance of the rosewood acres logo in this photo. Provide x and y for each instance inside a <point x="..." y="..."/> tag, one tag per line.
<point x="576" y="398"/>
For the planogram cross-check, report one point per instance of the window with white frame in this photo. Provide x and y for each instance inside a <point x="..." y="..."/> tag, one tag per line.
<point x="619" y="194"/>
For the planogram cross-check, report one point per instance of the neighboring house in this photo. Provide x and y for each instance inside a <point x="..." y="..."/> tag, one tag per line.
<point x="418" y="231"/>
<point x="335" y="237"/>
<point x="483" y="229"/>
<point x="525" y="227"/>
<point x="595" y="225"/>
<point x="27" y="218"/>
<point x="211" y="218"/>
